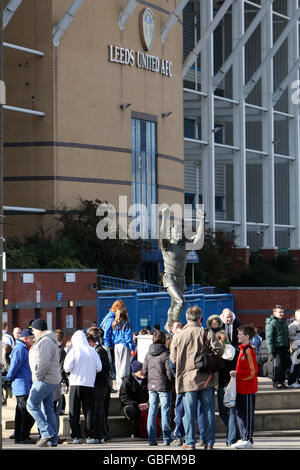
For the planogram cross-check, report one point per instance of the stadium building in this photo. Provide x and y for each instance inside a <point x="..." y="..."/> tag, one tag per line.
<point x="160" y="101"/>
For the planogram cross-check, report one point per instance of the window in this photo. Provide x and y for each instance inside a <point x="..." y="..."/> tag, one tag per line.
<point x="219" y="203"/>
<point x="144" y="181"/>
<point x="189" y="198"/>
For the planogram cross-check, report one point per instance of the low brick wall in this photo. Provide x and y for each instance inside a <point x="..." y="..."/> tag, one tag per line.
<point x="255" y="304"/>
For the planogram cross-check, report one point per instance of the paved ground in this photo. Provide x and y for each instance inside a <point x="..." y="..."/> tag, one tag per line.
<point x="267" y="442"/>
<point x="289" y="440"/>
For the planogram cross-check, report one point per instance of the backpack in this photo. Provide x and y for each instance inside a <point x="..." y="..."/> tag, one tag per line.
<point x="209" y="361"/>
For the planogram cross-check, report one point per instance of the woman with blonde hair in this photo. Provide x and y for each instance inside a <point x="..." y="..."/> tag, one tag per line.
<point x="122" y="340"/>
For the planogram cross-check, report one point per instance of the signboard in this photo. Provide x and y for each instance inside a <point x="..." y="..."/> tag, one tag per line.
<point x="70" y="277"/>
<point x="27" y="278"/>
<point x="143" y="344"/>
<point x="142" y="60"/>
<point x="192" y="257"/>
<point x="49" y="320"/>
<point x="59" y="296"/>
<point x="69" y="321"/>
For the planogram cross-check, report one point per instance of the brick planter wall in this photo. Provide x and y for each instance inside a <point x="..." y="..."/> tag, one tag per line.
<point x="255" y="304"/>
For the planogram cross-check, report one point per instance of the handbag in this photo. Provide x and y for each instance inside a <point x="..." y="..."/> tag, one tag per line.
<point x="209" y="361"/>
<point x="230" y="394"/>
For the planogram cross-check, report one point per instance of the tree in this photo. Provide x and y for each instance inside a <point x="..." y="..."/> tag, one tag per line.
<point x="281" y="271"/>
<point x="112" y="257"/>
<point x="217" y="262"/>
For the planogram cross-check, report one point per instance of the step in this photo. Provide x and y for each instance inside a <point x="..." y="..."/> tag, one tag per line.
<point x="278" y="399"/>
<point x="276" y="410"/>
<point x="266" y="400"/>
<point x="270" y="420"/>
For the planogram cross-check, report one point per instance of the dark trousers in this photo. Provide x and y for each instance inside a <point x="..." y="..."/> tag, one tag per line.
<point x="281" y="364"/>
<point x="100" y="417"/>
<point x="23" y="420"/>
<point x="132" y="414"/>
<point x="84" y="397"/>
<point x="245" y="408"/>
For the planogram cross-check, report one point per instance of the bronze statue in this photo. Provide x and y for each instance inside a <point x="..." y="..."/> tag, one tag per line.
<point x="174" y="251"/>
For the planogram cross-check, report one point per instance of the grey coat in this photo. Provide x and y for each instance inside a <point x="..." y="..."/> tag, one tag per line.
<point x="44" y="358"/>
<point x="157" y="370"/>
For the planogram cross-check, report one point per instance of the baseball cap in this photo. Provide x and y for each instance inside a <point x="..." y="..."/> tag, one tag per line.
<point x="26" y="332"/>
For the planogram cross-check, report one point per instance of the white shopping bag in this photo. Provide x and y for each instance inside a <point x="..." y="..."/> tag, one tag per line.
<point x="230" y="394"/>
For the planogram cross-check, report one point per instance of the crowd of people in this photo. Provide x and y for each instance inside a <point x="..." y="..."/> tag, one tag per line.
<point x="170" y="392"/>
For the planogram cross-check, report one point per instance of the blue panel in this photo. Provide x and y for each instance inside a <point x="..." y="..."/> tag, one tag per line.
<point x="152" y="308"/>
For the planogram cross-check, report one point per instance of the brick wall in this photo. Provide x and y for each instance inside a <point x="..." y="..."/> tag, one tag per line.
<point x="255" y="304"/>
<point x="48" y="296"/>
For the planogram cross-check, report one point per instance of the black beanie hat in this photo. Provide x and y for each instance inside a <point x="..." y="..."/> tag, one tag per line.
<point x="39" y="324"/>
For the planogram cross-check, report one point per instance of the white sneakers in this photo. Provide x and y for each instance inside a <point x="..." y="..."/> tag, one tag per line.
<point x="242" y="445"/>
<point x="90" y="440"/>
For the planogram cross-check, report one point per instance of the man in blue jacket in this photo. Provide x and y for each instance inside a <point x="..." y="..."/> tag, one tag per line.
<point x="19" y="374"/>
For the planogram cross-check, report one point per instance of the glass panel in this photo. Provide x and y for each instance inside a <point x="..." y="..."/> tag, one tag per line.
<point x="144" y="167"/>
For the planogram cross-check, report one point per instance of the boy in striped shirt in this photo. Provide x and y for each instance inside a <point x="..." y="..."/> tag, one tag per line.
<point x="246" y="387"/>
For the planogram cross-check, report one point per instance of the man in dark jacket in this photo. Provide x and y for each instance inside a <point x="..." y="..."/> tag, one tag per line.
<point x="277" y="337"/>
<point x="230" y="325"/>
<point x="102" y="388"/>
<point x="134" y="395"/>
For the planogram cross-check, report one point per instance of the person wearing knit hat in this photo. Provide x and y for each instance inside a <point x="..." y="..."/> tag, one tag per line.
<point x="45" y="367"/>
<point x="136" y="366"/>
<point x="134" y="397"/>
<point x="39" y="324"/>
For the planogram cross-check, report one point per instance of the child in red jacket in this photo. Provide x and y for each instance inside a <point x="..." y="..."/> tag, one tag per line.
<point x="246" y="387"/>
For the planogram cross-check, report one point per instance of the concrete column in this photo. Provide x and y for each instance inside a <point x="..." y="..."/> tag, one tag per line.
<point x="268" y="134"/>
<point x="207" y="111"/>
<point x="239" y="127"/>
<point x="294" y="137"/>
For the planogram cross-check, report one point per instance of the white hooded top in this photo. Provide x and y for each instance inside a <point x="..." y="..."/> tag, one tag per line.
<point x="82" y="361"/>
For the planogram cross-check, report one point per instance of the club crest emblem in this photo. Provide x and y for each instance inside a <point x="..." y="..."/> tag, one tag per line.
<point x="147" y="26"/>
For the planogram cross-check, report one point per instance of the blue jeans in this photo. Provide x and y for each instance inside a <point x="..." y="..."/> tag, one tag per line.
<point x="228" y="416"/>
<point x="178" y="432"/>
<point x="40" y="405"/>
<point x="165" y="400"/>
<point x="190" y="399"/>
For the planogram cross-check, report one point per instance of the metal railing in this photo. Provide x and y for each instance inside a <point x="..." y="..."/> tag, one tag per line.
<point x="109" y="282"/>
